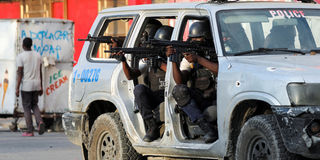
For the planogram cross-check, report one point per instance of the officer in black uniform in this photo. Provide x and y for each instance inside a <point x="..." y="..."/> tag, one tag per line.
<point x="201" y="70"/>
<point x="149" y="97"/>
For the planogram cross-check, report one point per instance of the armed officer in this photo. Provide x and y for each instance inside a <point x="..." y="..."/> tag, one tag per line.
<point x="147" y="98"/>
<point x="201" y="71"/>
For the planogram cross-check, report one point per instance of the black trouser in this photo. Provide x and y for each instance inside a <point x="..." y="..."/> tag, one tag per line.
<point x="147" y="100"/>
<point x="30" y="102"/>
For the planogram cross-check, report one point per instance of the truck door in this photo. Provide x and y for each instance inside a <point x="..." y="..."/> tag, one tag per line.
<point x="152" y="76"/>
<point x="94" y="71"/>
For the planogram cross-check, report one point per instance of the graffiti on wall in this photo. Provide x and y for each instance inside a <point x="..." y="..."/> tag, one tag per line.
<point x="42" y="39"/>
<point x="56" y="80"/>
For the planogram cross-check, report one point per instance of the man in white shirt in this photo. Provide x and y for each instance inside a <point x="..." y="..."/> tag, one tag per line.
<point x="29" y="75"/>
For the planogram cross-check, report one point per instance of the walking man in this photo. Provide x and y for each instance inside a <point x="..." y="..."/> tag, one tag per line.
<point x="29" y="75"/>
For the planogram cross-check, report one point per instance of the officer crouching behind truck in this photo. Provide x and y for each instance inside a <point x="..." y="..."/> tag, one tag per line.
<point x="149" y="97"/>
<point x="195" y="99"/>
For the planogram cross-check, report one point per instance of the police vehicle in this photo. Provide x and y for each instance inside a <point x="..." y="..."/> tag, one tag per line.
<point x="267" y="88"/>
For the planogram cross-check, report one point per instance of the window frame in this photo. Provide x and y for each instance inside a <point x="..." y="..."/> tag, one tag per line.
<point x="102" y="25"/>
<point x="141" y="30"/>
<point x="187" y="17"/>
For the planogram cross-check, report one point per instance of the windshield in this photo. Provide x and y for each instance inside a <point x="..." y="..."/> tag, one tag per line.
<point x="247" y="31"/>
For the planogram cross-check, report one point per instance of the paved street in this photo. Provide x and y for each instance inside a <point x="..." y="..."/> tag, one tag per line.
<point x="49" y="146"/>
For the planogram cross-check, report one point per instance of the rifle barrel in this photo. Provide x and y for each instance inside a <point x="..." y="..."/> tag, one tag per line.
<point x="105" y="39"/>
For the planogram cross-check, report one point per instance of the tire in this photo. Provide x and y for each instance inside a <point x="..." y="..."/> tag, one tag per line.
<point x="260" y="139"/>
<point x="108" y="140"/>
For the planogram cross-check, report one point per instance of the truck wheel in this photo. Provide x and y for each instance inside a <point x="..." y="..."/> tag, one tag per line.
<point x="260" y="139"/>
<point x="108" y="140"/>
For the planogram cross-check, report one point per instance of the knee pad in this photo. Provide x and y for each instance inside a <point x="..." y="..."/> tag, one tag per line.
<point x="139" y="89"/>
<point x="181" y="94"/>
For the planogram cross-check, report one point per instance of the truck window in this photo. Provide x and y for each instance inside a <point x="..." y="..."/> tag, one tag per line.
<point x="184" y="32"/>
<point x="156" y="22"/>
<point x="117" y="28"/>
<point x="187" y="22"/>
<point x="246" y="30"/>
<point x="150" y="27"/>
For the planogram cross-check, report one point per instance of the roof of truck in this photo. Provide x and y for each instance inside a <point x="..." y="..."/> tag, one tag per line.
<point x="155" y="6"/>
<point x="193" y="5"/>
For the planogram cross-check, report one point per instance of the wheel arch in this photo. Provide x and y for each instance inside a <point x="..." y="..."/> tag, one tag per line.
<point x="242" y="112"/>
<point x="238" y="111"/>
<point x="95" y="105"/>
<point x="97" y="108"/>
<point x="98" y="103"/>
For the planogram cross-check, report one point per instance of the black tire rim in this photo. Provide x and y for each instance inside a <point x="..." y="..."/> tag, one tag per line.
<point x="259" y="149"/>
<point x="106" y="147"/>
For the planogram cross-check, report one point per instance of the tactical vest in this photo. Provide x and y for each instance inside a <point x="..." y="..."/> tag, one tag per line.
<point x="204" y="81"/>
<point x="156" y="79"/>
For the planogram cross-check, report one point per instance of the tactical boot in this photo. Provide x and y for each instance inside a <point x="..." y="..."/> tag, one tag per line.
<point x="210" y="133"/>
<point x="153" y="131"/>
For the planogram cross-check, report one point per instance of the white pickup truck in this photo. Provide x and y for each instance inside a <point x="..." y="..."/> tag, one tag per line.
<point x="268" y="84"/>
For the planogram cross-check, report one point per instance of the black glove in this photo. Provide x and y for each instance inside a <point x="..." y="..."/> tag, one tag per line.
<point x="119" y="57"/>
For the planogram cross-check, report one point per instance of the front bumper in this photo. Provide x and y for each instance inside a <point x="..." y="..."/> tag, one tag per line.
<point x="293" y="124"/>
<point x="72" y="126"/>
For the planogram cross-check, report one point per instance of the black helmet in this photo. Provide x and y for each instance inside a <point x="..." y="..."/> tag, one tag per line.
<point x="163" y="33"/>
<point x="200" y="29"/>
<point x="152" y="27"/>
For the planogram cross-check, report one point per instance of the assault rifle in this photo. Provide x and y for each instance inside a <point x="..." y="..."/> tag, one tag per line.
<point x="154" y="56"/>
<point x="104" y="39"/>
<point x="139" y="52"/>
<point x="184" y="47"/>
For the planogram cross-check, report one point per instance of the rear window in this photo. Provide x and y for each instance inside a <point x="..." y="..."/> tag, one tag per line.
<point x="117" y="28"/>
